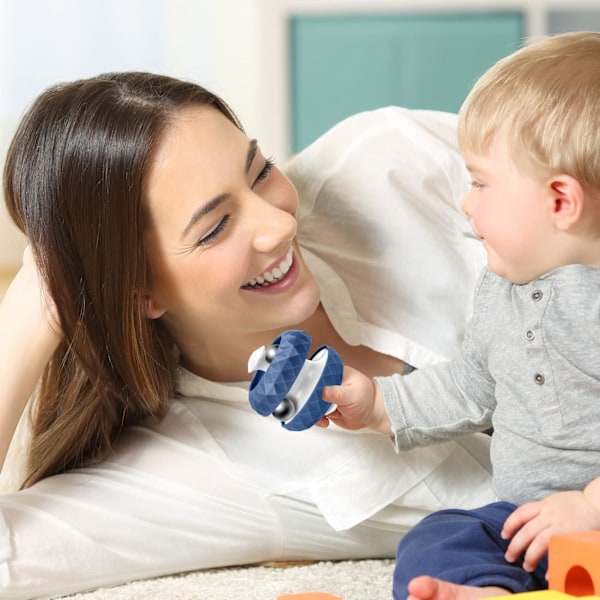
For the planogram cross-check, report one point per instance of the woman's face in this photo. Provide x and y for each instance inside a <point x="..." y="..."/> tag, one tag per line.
<point x="221" y="240"/>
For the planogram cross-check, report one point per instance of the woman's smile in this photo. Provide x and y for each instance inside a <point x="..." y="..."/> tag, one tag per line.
<point x="279" y="276"/>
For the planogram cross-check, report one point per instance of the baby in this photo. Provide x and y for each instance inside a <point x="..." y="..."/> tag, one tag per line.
<point x="530" y="362"/>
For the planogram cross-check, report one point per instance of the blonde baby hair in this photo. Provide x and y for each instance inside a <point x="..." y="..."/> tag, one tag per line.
<point x="545" y="98"/>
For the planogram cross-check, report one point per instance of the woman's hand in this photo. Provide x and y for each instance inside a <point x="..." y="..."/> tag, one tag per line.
<point x="31" y="289"/>
<point x="359" y="403"/>
<point x="29" y="335"/>
<point x="531" y="525"/>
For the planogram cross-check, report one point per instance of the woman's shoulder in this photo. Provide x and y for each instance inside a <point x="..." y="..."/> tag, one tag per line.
<point x="394" y="122"/>
<point x="392" y="128"/>
<point x="414" y="151"/>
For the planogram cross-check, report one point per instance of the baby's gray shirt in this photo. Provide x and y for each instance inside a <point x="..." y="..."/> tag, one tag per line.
<point x="530" y="368"/>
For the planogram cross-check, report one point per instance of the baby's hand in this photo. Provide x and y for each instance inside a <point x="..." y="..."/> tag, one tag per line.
<point x="359" y="403"/>
<point x="531" y="525"/>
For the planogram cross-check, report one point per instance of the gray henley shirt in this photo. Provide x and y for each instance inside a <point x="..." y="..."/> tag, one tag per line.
<point x="530" y="368"/>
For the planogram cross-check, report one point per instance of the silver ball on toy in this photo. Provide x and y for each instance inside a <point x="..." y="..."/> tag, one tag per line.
<point x="270" y="352"/>
<point x="285" y="409"/>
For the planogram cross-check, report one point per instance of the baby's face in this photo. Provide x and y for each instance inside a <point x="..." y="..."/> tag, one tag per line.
<point x="511" y="213"/>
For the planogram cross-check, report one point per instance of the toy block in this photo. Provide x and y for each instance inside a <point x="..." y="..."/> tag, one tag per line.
<point x="309" y="596"/>
<point x="574" y="563"/>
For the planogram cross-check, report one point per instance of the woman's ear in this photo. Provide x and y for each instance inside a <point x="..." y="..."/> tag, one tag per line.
<point x="568" y="199"/>
<point x="152" y="308"/>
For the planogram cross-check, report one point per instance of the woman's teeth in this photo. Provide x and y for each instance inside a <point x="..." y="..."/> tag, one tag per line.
<point x="269" y="277"/>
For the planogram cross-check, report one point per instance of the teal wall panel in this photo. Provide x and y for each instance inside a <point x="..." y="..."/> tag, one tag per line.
<point x="343" y="64"/>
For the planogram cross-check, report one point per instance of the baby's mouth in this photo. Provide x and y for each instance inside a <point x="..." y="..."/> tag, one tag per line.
<point x="274" y="275"/>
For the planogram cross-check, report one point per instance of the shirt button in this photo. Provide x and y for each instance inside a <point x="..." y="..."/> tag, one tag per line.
<point x="530" y="335"/>
<point x="539" y="378"/>
<point x="537" y="295"/>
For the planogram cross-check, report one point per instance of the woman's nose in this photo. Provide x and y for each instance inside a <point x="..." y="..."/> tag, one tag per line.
<point x="273" y="227"/>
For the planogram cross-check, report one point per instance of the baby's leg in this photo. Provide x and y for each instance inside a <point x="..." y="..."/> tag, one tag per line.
<point x="464" y="548"/>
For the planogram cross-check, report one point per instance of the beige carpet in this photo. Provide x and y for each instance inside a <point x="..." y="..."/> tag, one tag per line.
<point x="350" y="580"/>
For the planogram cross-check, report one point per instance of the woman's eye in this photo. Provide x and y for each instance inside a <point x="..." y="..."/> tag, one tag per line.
<point x="214" y="233"/>
<point x="264" y="173"/>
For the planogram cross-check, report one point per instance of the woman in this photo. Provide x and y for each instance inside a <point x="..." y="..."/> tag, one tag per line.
<point x="170" y="248"/>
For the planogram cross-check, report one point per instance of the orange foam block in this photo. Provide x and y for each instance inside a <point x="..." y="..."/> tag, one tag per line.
<point x="309" y="596"/>
<point x="574" y="563"/>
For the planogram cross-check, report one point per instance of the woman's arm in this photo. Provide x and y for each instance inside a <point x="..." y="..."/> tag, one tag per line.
<point x="29" y="334"/>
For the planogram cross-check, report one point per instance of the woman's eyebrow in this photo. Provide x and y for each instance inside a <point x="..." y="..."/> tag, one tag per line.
<point x="252" y="148"/>
<point x="203" y="211"/>
<point x="215" y="202"/>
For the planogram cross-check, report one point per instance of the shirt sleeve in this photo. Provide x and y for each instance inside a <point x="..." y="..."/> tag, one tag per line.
<point x="448" y="399"/>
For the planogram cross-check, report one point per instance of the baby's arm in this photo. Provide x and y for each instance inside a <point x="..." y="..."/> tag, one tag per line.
<point x="531" y="525"/>
<point x="29" y="334"/>
<point x="359" y="403"/>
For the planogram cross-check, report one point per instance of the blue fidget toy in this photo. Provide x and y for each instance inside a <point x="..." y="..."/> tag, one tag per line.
<point x="288" y="385"/>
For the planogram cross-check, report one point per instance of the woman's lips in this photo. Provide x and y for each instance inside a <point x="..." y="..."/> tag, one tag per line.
<point x="273" y="276"/>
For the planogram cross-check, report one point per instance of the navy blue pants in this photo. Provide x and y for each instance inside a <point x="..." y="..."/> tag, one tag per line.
<point x="465" y="547"/>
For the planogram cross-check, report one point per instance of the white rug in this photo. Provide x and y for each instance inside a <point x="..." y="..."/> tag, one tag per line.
<point x="350" y="580"/>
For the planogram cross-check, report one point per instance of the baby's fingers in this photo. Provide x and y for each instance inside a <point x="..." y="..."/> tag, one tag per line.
<point x="322" y="422"/>
<point x="332" y="393"/>
<point x="536" y="550"/>
<point x="519" y="517"/>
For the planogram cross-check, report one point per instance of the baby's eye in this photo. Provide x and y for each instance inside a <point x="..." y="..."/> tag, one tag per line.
<point x="476" y="184"/>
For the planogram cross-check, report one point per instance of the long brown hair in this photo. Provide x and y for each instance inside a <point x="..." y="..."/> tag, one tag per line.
<point x="74" y="184"/>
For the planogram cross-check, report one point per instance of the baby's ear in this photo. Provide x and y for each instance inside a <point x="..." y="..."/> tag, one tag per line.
<point x="568" y="198"/>
<point x="153" y="309"/>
